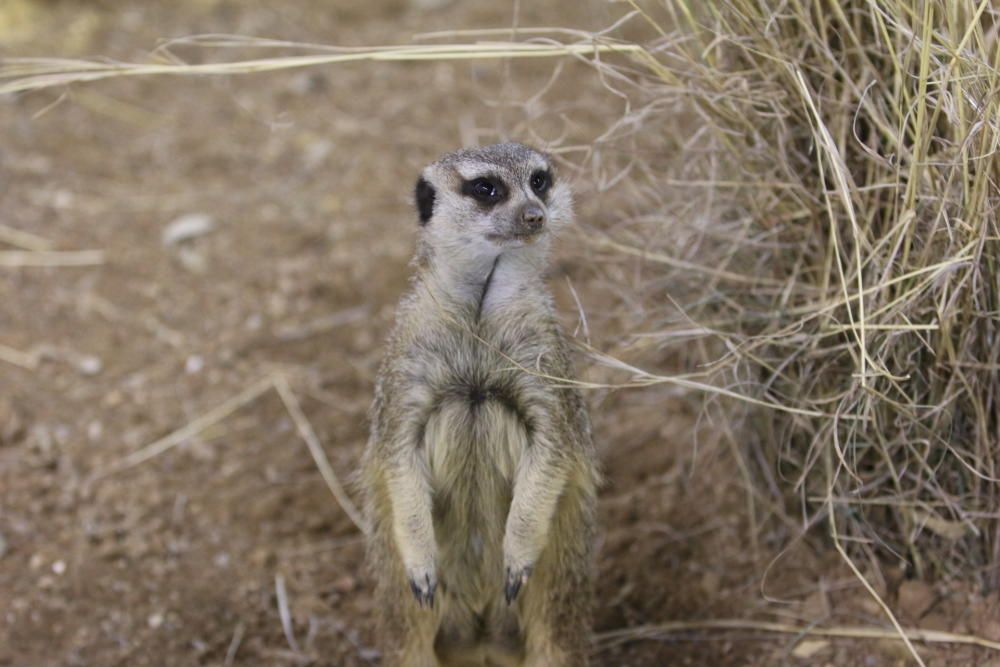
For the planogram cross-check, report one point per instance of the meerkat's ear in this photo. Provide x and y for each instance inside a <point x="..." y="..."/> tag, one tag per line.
<point x="425" y="200"/>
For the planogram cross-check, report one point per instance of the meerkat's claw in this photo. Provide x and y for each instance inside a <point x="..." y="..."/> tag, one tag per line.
<point x="424" y="590"/>
<point x="515" y="579"/>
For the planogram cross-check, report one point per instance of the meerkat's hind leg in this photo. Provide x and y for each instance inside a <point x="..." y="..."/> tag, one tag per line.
<point x="462" y="656"/>
<point x="504" y="639"/>
<point x="413" y="645"/>
<point x="406" y="629"/>
<point x="557" y="603"/>
<point x="556" y="633"/>
<point x="504" y="658"/>
<point x="409" y="633"/>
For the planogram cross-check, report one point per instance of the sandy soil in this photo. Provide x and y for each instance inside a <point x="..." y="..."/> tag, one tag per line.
<point x="304" y="179"/>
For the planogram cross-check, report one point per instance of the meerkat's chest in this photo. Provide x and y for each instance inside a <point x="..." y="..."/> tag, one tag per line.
<point x="477" y="427"/>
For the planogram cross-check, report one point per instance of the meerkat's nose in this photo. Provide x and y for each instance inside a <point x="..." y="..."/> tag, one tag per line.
<point x="533" y="217"/>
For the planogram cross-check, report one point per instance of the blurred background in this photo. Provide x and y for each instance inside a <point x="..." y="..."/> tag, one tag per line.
<point x="176" y="249"/>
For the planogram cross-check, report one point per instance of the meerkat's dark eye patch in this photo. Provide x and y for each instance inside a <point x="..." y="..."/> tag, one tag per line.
<point x="540" y="181"/>
<point x="424" y="194"/>
<point x="485" y="189"/>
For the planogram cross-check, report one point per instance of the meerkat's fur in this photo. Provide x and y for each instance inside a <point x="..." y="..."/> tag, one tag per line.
<point x="480" y="473"/>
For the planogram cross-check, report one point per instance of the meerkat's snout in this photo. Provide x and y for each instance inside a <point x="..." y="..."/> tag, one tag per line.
<point x="527" y="224"/>
<point x="532" y="218"/>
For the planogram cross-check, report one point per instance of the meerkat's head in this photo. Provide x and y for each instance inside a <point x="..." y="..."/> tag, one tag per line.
<point x="490" y="200"/>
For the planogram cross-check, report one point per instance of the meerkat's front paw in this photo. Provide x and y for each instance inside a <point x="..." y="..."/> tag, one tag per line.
<point x="519" y="556"/>
<point x="515" y="578"/>
<point x="423" y="583"/>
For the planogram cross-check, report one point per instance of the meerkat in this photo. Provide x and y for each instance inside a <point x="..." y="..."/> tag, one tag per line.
<point x="480" y="474"/>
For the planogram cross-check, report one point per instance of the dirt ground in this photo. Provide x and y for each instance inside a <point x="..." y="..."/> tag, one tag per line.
<point x="298" y="185"/>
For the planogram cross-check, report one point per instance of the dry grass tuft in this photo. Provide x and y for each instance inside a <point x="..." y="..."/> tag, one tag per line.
<point x="838" y="204"/>
<point x="21" y="75"/>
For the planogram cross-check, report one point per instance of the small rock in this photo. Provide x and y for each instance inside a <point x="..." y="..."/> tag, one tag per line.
<point x="89" y="365"/>
<point x="187" y="227"/>
<point x="156" y="620"/>
<point x="59" y="567"/>
<point x="194" y="364"/>
<point x="316" y="153"/>
<point x="915" y="598"/>
<point x="94" y="430"/>
<point x="36" y="561"/>
<point x="62" y="199"/>
<point x="192" y="260"/>
<point x="808" y="648"/>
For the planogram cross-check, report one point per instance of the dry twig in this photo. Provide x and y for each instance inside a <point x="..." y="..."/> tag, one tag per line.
<point x="612" y="638"/>
<point x="34" y="258"/>
<point x="319" y="456"/>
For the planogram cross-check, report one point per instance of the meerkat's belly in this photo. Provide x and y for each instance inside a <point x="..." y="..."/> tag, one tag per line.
<point x="473" y="444"/>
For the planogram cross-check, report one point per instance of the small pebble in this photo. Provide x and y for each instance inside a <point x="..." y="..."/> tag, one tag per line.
<point x="316" y="152"/>
<point x="192" y="260"/>
<point x="94" y="431"/>
<point x="187" y="227"/>
<point x="89" y="365"/>
<point x="194" y="364"/>
<point x="59" y="567"/>
<point x="156" y="620"/>
<point x="62" y="199"/>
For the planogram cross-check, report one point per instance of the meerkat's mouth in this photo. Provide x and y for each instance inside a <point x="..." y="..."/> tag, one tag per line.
<point x="526" y="238"/>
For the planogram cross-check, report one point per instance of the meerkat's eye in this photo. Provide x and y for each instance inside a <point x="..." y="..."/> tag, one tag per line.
<point x="540" y="182"/>
<point x="483" y="189"/>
